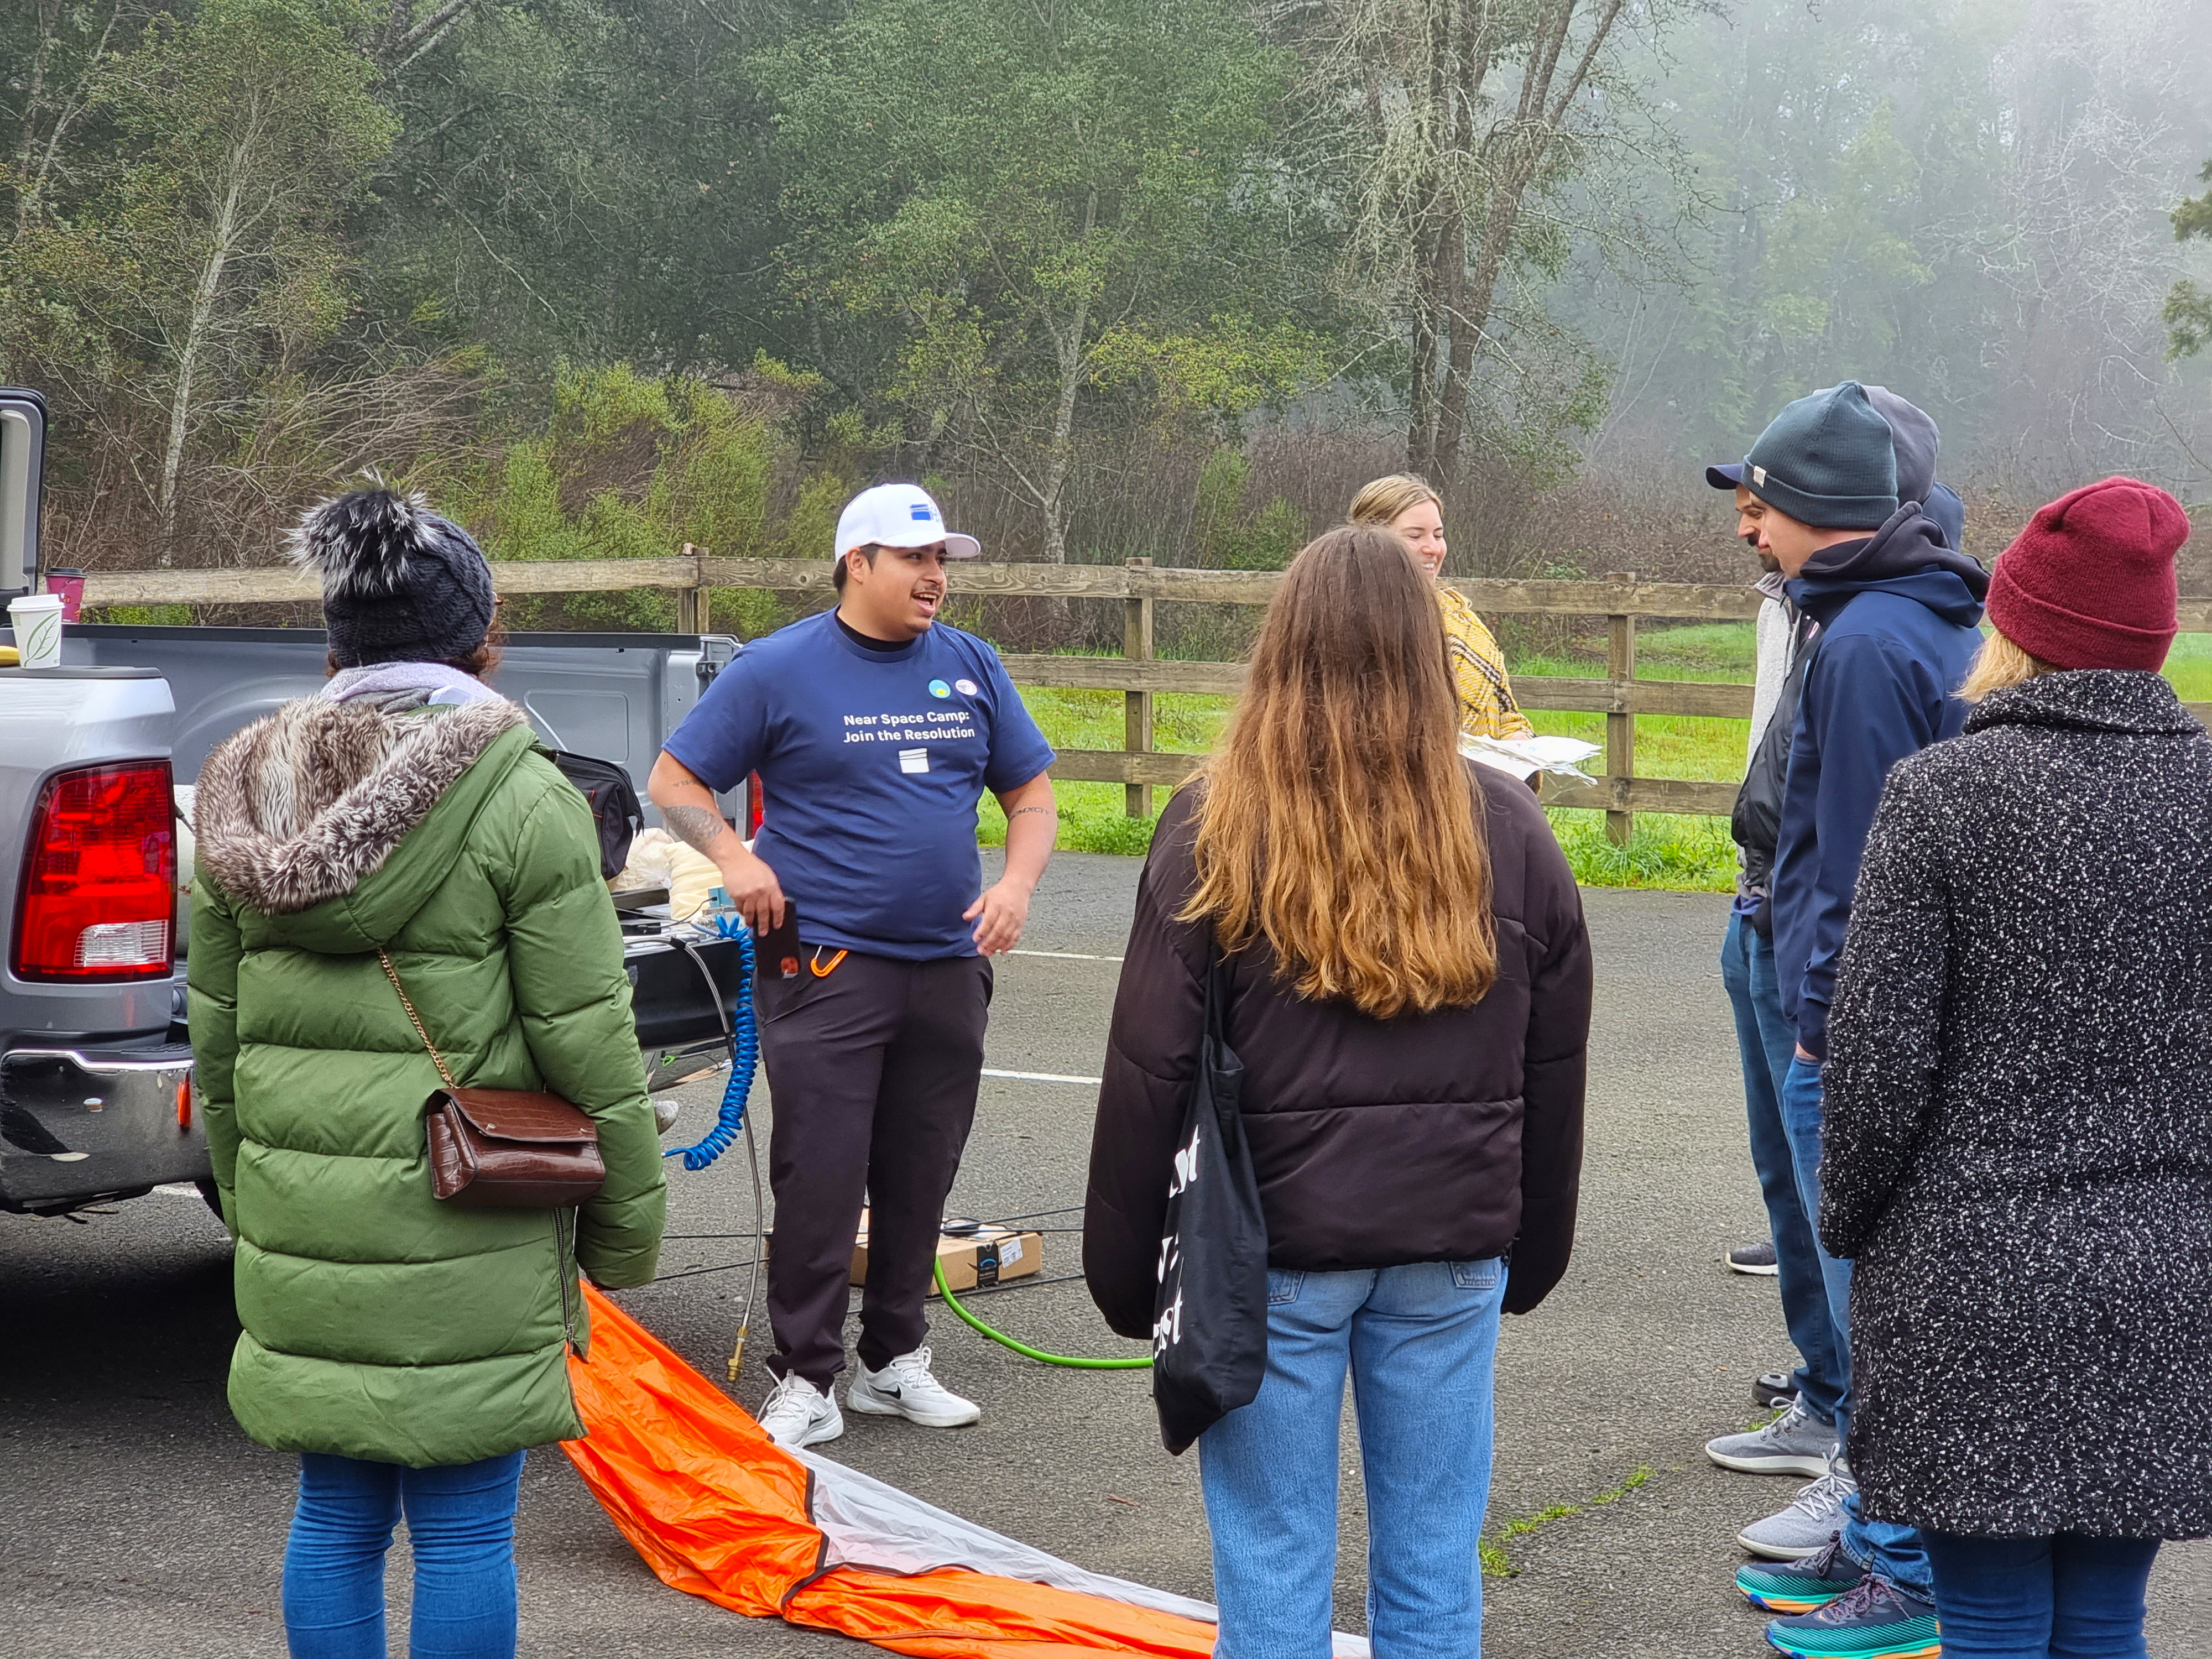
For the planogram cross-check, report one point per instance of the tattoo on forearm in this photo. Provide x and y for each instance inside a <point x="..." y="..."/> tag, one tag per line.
<point x="700" y="826"/>
<point x="1019" y="811"/>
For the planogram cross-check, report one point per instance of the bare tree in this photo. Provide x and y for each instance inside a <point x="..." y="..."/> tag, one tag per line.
<point x="251" y="126"/>
<point x="57" y="95"/>
<point x="1458" y="117"/>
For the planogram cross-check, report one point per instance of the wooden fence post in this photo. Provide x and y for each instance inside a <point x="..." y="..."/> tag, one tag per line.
<point x="691" y="603"/>
<point x="1620" y="728"/>
<point x="1137" y="706"/>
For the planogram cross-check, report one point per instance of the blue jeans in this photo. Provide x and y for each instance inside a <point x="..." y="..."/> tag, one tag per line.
<point x="2067" y="1597"/>
<point x="1883" y="1548"/>
<point x="460" y="1524"/>
<point x="1420" y="1342"/>
<point x="1767" y="1040"/>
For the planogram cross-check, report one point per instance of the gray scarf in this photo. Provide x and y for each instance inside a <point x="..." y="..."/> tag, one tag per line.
<point x="393" y="686"/>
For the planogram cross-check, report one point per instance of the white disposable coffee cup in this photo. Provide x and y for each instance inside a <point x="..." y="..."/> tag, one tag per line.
<point x="37" y="619"/>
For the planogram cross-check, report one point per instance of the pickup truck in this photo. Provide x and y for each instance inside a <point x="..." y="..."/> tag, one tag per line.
<point x="95" y="1057"/>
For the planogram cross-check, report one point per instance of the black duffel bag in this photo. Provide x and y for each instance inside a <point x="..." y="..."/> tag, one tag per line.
<point x="613" y="800"/>
<point x="1210" y="1322"/>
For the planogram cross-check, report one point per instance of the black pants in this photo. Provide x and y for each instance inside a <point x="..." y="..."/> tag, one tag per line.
<point x="873" y="1069"/>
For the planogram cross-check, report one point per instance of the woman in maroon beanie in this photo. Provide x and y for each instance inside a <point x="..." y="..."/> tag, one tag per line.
<point x="2019" y="1133"/>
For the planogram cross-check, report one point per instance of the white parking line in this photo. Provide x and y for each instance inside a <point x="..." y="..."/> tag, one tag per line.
<point x="1064" y="956"/>
<point x="178" y="1189"/>
<point x="1043" y="1077"/>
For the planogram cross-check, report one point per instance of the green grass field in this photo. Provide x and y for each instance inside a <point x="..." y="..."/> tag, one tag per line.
<point x="2189" y="665"/>
<point x="1091" y="816"/>
<point x="1667" y="851"/>
<point x="1677" y="851"/>
<point x="1682" y="853"/>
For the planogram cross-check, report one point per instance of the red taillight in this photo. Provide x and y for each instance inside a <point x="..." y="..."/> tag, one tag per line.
<point x="100" y="877"/>
<point x="755" y="809"/>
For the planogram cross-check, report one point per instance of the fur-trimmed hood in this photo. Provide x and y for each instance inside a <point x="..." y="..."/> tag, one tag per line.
<point x="307" y="803"/>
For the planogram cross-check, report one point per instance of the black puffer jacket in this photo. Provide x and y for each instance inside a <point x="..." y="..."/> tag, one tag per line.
<point x="1444" y="1137"/>
<point x="2018" y="1135"/>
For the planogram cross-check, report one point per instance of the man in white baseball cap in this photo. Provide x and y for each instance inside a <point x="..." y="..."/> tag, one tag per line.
<point x="898" y="515"/>
<point x="875" y="730"/>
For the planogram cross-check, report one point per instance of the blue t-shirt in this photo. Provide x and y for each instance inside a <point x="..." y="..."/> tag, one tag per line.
<point x="872" y="763"/>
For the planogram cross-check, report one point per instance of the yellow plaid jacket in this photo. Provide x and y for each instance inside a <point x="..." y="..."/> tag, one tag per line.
<point x="1487" y="708"/>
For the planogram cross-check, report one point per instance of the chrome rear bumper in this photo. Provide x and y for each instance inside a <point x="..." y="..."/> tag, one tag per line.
<point x="78" y="1124"/>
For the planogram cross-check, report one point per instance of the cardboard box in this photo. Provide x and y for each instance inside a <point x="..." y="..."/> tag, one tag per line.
<point x="989" y="1256"/>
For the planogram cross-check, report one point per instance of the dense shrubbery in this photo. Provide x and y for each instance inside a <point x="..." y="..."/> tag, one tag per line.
<point x="1165" y="283"/>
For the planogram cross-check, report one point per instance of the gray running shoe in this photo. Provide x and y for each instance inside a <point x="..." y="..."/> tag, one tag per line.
<point x="1795" y="1443"/>
<point x="1757" y="1259"/>
<point x="1804" y="1530"/>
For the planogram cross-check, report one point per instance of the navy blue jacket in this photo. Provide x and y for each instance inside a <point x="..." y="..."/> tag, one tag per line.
<point x="1899" y="613"/>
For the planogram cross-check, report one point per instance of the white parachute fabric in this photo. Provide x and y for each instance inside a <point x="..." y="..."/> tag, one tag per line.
<point x="869" y="1523"/>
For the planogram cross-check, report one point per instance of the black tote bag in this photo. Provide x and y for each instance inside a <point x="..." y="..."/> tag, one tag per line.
<point x="1210" y="1320"/>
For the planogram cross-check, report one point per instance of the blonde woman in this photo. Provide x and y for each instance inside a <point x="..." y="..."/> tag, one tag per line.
<point x="2016" y="1149"/>
<point x="1409" y="991"/>
<point x="1405" y="506"/>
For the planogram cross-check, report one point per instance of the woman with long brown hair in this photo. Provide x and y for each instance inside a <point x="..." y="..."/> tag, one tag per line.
<point x="1409" y="992"/>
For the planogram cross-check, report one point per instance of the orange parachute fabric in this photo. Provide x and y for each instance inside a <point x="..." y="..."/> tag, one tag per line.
<point x="719" y="1510"/>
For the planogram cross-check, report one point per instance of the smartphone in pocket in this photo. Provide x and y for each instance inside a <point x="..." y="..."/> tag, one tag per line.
<point x="777" y="951"/>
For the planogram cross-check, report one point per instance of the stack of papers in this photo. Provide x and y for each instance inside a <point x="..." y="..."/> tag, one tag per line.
<point x="1526" y="757"/>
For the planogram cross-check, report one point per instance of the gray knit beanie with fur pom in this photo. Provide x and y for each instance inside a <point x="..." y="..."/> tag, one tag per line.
<point x="400" y="584"/>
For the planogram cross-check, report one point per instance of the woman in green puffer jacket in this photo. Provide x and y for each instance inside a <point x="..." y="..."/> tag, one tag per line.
<point x="408" y="1349"/>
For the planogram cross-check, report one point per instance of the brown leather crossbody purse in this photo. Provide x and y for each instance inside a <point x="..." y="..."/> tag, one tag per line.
<point x="510" y="1148"/>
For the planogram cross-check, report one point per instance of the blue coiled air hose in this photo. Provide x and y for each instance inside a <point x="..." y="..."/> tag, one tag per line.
<point x="744" y="1034"/>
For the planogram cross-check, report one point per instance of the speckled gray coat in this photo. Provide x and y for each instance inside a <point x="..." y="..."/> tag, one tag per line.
<point x="2017" y="1140"/>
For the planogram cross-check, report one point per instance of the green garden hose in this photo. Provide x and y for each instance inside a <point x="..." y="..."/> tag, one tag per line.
<point x="1023" y="1348"/>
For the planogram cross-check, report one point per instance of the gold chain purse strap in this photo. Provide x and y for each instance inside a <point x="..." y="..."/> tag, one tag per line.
<point x="415" y="1019"/>
<point x="564" y="1250"/>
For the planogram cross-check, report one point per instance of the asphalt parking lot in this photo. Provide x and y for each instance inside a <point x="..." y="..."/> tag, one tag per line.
<point x="137" y="1520"/>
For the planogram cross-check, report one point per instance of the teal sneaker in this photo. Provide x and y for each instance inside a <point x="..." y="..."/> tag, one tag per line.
<point x="1870" y="1620"/>
<point x="1801" y="1586"/>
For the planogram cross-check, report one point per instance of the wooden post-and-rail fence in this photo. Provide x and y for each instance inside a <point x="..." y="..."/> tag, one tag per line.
<point x="1140" y="675"/>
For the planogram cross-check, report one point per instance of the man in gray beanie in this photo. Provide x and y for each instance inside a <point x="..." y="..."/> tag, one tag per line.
<point x="1802" y="1440"/>
<point x="1894" y="606"/>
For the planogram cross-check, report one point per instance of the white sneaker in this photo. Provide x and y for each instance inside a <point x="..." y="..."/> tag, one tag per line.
<point x="905" y="1388"/>
<point x="800" y="1414"/>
